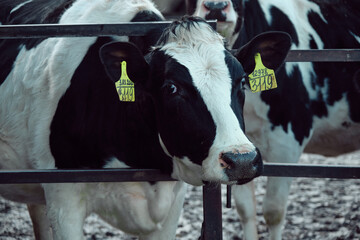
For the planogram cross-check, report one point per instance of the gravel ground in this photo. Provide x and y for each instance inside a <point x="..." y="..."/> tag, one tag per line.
<point x="319" y="209"/>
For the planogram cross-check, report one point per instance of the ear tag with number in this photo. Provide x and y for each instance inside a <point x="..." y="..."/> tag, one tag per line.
<point x="262" y="78"/>
<point x="125" y="87"/>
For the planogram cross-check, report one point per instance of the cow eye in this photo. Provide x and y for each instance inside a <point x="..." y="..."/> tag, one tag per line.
<point x="170" y="88"/>
<point x="173" y="88"/>
<point x="243" y="82"/>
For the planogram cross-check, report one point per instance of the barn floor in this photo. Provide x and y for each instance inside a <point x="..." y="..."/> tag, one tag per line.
<point x="319" y="209"/>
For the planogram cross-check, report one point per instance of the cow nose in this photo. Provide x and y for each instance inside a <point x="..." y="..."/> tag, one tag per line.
<point x="216" y="10"/>
<point x="209" y="5"/>
<point x="242" y="167"/>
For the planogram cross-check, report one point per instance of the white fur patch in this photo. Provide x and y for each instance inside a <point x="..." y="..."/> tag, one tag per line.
<point x="115" y="163"/>
<point x="164" y="147"/>
<point x="187" y="171"/>
<point x="19" y="6"/>
<point x="355" y="36"/>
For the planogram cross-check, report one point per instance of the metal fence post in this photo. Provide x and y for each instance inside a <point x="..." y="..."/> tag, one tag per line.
<point x="212" y="224"/>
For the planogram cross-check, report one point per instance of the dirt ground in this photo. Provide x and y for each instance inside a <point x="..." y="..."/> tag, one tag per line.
<point x="318" y="209"/>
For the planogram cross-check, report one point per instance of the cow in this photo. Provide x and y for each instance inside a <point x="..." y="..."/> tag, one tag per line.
<point x="315" y="108"/>
<point x="105" y="102"/>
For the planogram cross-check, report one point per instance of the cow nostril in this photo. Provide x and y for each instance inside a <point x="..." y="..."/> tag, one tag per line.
<point x="223" y="164"/>
<point x="227" y="160"/>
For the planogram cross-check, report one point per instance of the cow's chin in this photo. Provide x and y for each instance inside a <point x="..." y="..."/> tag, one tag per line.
<point x="226" y="29"/>
<point x="187" y="171"/>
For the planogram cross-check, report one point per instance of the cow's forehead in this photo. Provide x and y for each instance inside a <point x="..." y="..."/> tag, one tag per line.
<point x="207" y="67"/>
<point x="189" y="34"/>
<point x="201" y="50"/>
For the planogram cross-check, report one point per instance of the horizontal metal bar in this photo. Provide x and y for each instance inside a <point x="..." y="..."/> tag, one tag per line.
<point x="82" y="30"/>
<point x="93" y="175"/>
<point x="139" y="175"/>
<point x="324" y="55"/>
<point x="311" y="170"/>
<point x="141" y="28"/>
<point x="78" y="30"/>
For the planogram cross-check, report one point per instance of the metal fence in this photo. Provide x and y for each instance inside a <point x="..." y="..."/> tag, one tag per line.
<point x="212" y="225"/>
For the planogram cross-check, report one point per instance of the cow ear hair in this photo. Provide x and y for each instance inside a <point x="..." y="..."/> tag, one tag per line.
<point x="114" y="53"/>
<point x="272" y="46"/>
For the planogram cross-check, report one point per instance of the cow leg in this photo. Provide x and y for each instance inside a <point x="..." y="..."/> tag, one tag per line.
<point x="41" y="226"/>
<point x="168" y="229"/>
<point x="66" y="210"/>
<point x="275" y="204"/>
<point x="245" y="203"/>
<point x="277" y="190"/>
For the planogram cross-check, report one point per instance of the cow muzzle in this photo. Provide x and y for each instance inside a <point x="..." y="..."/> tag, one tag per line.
<point x="216" y="10"/>
<point x="241" y="167"/>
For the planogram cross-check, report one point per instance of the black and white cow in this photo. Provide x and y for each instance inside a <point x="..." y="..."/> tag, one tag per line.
<point x="316" y="107"/>
<point x="59" y="108"/>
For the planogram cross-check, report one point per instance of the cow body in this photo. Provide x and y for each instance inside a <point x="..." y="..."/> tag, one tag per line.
<point x="29" y="100"/>
<point x="59" y="108"/>
<point x="315" y="108"/>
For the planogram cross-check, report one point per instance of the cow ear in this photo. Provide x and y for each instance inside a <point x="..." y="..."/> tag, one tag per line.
<point x="114" y="53"/>
<point x="272" y="46"/>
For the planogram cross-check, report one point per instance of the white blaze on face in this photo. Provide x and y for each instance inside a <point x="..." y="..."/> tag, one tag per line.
<point x="203" y="54"/>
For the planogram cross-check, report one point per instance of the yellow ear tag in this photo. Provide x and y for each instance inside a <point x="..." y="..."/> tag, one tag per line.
<point x="262" y="78"/>
<point x="125" y="87"/>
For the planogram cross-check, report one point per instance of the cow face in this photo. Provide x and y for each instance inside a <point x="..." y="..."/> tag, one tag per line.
<point x="196" y="87"/>
<point x="226" y="12"/>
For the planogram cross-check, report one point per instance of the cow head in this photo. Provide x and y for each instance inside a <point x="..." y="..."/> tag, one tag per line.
<point x="228" y="14"/>
<point x="197" y="87"/>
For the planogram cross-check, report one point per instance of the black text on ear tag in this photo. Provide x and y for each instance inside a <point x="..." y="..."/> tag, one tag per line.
<point x="124" y="86"/>
<point x="262" y="78"/>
